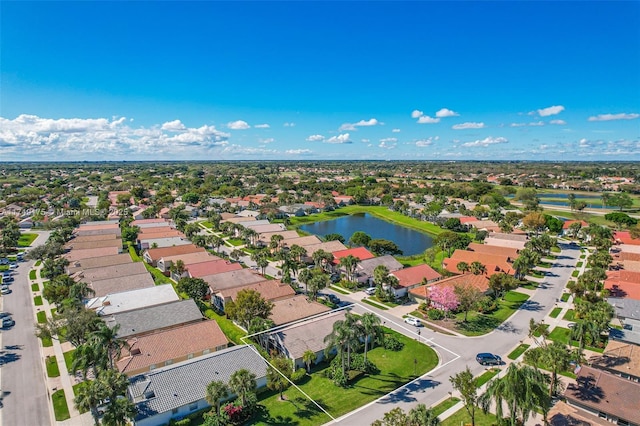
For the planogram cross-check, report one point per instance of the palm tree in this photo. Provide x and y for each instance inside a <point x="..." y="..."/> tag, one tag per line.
<point x="309" y="357"/>
<point x="178" y="268"/>
<point x="557" y="358"/>
<point x="298" y="252"/>
<point x="90" y="395"/>
<point x="108" y="339"/>
<point x="305" y="276"/>
<point x="477" y="268"/>
<point x="216" y="392"/>
<point x="275" y="242"/>
<point x="349" y="264"/>
<point x="236" y="254"/>
<point x="462" y="267"/>
<point x="119" y="412"/>
<point x="370" y="323"/>
<point x="89" y="356"/>
<point x="583" y="331"/>
<point x="242" y="383"/>
<point x="215" y="242"/>
<point x="423" y="416"/>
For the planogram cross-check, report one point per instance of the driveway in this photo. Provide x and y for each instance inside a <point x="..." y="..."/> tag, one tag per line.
<point x="24" y="396"/>
<point x="457" y="352"/>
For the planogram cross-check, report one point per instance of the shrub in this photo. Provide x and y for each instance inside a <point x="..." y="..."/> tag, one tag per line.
<point x="487" y="305"/>
<point x="349" y="285"/>
<point x="435" y="314"/>
<point x="298" y="375"/>
<point x="182" y="422"/>
<point x="234" y="412"/>
<point x="392" y="343"/>
<point x="358" y="363"/>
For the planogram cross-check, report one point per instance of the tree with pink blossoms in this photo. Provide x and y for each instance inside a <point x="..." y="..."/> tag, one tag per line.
<point x="444" y="298"/>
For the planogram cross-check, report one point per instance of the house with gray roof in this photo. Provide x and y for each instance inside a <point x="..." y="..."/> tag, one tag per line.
<point x="365" y="268"/>
<point x="120" y="284"/>
<point x="151" y="319"/>
<point x="175" y="391"/>
<point x="625" y="308"/>
<point x="162" y="242"/>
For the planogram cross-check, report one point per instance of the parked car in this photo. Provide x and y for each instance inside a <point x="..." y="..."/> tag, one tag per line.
<point x="333" y="298"/>
<point x="4" y="315"/>
<point x="8" y="322"/>
<point x="13" y="266"/>
<point x="335" y="278"/>
<point x="8" y="279"/>
<point x="370" y="291"/>
<point x="413" y="321"/>
<point x="5" y="291"/>
<point x="486" y="358"/>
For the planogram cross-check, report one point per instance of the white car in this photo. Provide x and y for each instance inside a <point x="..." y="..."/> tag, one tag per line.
<point x="413" y="321"/>
<point x="370" y="291"/>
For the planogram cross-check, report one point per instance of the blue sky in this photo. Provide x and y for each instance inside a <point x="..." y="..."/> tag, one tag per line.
<point x="320" y="80"/>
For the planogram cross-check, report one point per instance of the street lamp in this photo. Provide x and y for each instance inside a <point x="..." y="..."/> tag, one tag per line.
<point x="419" y="336"/>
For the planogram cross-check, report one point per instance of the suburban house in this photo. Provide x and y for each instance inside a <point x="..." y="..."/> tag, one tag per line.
<point x="567" y="225"/>
<point x="295" y="308"/>
<point x="328" y="246"/>
<point x="98" y="262"/>
<point x="79" y="245"/>
<point x="265" y="238"/>
<point x="143" y="222"/>
<point x="120" y="284"/>
<point x="231" y="279"/>
<point x="510" y="252"/>
<point x="134" y="299"/>
<point x="293" y="341"/>
<point x="146" y="243"/>
<point x="100" y="231"/>
<point x="619" y="358"/>
<point x="88" y="238"/>
<point x="164" y="264"/>
<point x="516" y="241"/>
<point x="480" y="282"/>
<point x="150" y="319"/>
<point x="112" y="271"/>
<point x="412" y="277"/>
<point x="624" y="237"/>
<point x="152" y="255"/>
<point x="269" y="290"/>
<point x="605" y="395"/>
<point x="625" y="308"/>
<point x="74" y="255"/>
<point x="212" y="267"/>
<point x="493" y="263"/>
<point x="623" y="284"/>
<point x="272" y="227"/>
<point x="365" y="268"/>
<point x="166" y="347"/>
<point x="360" y="253"/>
<point x="175" y="391"/>
<point x="299" y="241"/>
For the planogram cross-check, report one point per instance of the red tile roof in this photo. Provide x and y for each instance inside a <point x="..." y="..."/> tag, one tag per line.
<point x="623" y="289"/>
<point x="624" y="237"/>
<point x="568" y="223"/>
<point x="408" y="277"/>
<point x="493" y="263"/>
<point x="197" y="270"/>
<point x="491" y="249"/>
<point x="157" y="253"/>
<point x="480" y="282"/>
<point x="360" y="252"/>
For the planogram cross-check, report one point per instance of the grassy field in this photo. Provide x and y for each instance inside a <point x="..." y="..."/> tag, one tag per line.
<point x="32" y="274"/>
<point x="563" y="335"/>
<point x="518" y="351"/>
<point x="565" y="297"/>
<point x="35" y="287"/>
<point x="233" y="333"/>
<point x="60" y="408"/>
<point x="374" y="304"/>
<point x="47" y="343"/>
<point x="37" y="300"/>
<point x="52" y="367"/>
<point x="555" y="312"/>
<point x="461" y="417"/>
<point x="570" y="315"/>
<point x="486" y="376"/>
<point x="42" y="317"/>
<point x="26" y="239"/>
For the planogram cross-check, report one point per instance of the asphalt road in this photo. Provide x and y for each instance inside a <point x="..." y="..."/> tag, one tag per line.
<point x="25" y="401"/>
<point x="457" y="352"/>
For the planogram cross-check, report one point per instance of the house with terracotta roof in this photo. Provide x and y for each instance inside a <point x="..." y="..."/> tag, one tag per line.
<point x="414" y="276"/>
<point x="164" y="264"/>
<point x="269" y="290"/>
<point x="510" y="252"/>
<point x="212" y="267"/>
<point x="605" y="395"/>
<point x="359" y="252"/>
<point x="493" y="263"/>
<point x="74" y="255"/>
<point x="619" y="358"/>
<point x="294" y="340"/>
<point x="623" y="283"/>
<point x="151" y="351"/>
<point x="231" y="279"/>
<point x="98" y="262"/>
<point x="624" y="237"/>
<point x="152" y="255"/>
<point x="295" y="308"/>
<point x="480" y="282"/>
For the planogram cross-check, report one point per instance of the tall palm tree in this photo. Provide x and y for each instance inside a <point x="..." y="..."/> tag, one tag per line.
<point x="242" y="383"/>
<point x="477" y="268"/>
<point x="89" y="357"/>
<point x="309" y="357"/>
<point x="298" y="252"/>
<point x="108" y="339"/>
<point x="354" y="333"/>
<point x="216" y="392"/>
<point x="90" y="395"/>
<point x="118" y="409"/>
<point x="349" y="264"/>
<point x="557" y="358"/>
<point x="420" y="415"/>
<point x="371" y="328"/>
<point x="336" y="340"/>
<point x="304" y="277"/>
<point x="462" y="267"/>
<point x="215" y="242"/>
<point x="119" y="412"/>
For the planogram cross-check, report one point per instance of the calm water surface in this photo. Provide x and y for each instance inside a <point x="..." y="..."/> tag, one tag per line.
<point x="410" y="242"/>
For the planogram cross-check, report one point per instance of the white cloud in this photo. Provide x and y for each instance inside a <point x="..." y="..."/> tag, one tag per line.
<point x="558" y="122"/>
<point x="609" y="117"/>
<point x="425" y="119"/>
<point x="395" y="131"/>
<point x="289" y="124"/>
<point x="344" y="138"/>
<point x="244" y="150"/>
<point x="388" y="143"/>
<point x="238" y="125"/>
<point x="262" y="126"/>
<point x="416" y="113"/>
<point x="266" y="140"/>
<point x="361" y="123"/>
<point x="486" y="142"/>
<point x="552" y="110"/>
<point x="389" y="140"/>
<point x="298" y="151"/>
<point x="468" y="125"/>
<point x="315" y="138"/>
<point x="518" y="124"/>
<point x="365" y="140"/>
<point x="426" y="142"/>
<point x="173" y="126"/>
<point x="444" y="112"/>
<point x="537" y="123"/>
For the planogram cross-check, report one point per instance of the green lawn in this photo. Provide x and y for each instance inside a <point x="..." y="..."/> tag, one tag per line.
<point x="374" y="304"/>
<point x="42" y="317"/>
<point x="133" y="254"/>
<point x="530" y="285"/>
<point x="47" y="343"/>
<point x="565" y="297"/>
<point x="206" y="224"/>
<point x="445" y="405"/>
<point x="389" y="304"/>
<point x="339" y="290"/>
<point x="233" y="332"/>
<point x="555" y="249"/>
<point x="545" y="264"/>
<point x="32" y="274"/>
<point x="578" y="265"/>
<point x="461" y="417"/>
<point x="575" y="273"/>
<point x="296" y="409"/>
<point x="38" y="299"/>
<point x="537" y="274"/>
<point x="562" y="335"/>
<point x="38" y="263"/>
<point x="235" y="241"/>
<point x="60" y="407"/>
<point x="52" y="367"/>
<point x="26" y="239"/>
<point x="76" y="390"/>
<point x="486" y="376"/>
<point x="570" y="315"/>
<point x="518" y="351"/>
<point x="68" y="359"/>
<point x="35" y="287"/>
<point x="555" y="312"/>
<point x="478" y="324"/>
<point x="158" y="277"/>
<point x="538" y="332"/>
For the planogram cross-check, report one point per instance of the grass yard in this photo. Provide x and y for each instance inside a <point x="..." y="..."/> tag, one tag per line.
<point x="35" y="287"/>
<point x="235" y="241"/>
<point x="26" y="239"/>
<point x="486" y="376"/>
<point x="52" y="367"/>
<point x="38" y="263"/>
<point x="32" y="274"/>
<point x="530" y="285"/>
<point x="563" y="335"/>
<point x="555" y="249"/>
<point x="339" y="290"/>
<point x="68" y="359"/>
<point x="60" y="407"/>
<point x="296" y="409"/>
<point x="374" y="304"/>
<point x="389" y="304"/>
<point x="46" y="342"/>
<point x="38" y="299"/>
<point x="206" y="224"/>
<point x="133" y="254"/>
<point x="461" y="417"/>
<point x="42" y="317"/>
<point x="518" y="351"/>
<point x="570" y="315"/>
<point x="555" y="312"/>
<point x="579" y="264"/>
<point x="158" y="277"/>
<point x="229" y="329"/>
<point x="445" y="405"/>
<point x="575" y="273"/>
<point x="565" y="297"/>
<point x="538" y="332"/>
<point x="545" y="264"/>
<point x="537" y="274"/>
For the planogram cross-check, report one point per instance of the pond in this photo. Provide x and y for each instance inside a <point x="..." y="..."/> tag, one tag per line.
<point x="409" y="241"/>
